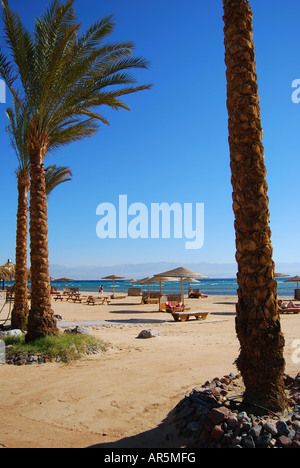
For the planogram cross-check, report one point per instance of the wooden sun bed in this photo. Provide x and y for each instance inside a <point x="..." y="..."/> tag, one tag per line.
<point x="183" y="316"/>
<point x="151" y="300"/>
<point x="196" y="294"/>
<point x="290" y="310"/>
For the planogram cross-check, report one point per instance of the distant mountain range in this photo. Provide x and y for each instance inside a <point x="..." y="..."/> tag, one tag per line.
<point x="142" y="270"/>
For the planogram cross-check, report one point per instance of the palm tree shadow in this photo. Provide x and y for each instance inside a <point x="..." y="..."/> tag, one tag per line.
<point x="161" y="436"/>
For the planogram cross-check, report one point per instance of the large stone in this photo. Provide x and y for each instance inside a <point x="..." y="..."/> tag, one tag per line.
<point x="149" y="334"/>
<point x="218" y="415"/>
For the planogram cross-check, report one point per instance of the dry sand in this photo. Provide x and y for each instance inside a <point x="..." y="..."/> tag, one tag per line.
<point x="121" y="398"/>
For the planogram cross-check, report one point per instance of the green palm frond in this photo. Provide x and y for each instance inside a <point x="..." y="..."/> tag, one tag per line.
<point x="17" y="131"/>
<point x="64" y="74"/>
<point x="55" y="176"/>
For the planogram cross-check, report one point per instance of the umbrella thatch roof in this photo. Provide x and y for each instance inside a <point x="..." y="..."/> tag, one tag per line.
<point x="182" y="273"/>
<point x="158" y="279"/>
<point x="295" y="279"/>
<point x="113" y="277"/>
<point x="292" y="280"/>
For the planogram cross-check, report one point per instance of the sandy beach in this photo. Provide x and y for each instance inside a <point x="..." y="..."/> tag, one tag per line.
<point x="121" y="398"/>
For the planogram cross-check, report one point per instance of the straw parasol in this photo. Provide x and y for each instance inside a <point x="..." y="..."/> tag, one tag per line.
<point x="145" y="281"/>
<point x="113" y="278"/>
<point x="132" y="281"/>
<point x="158" y="280"/>
<point x="295" y="279"/>
<point x="64" y="280"/>
<point x="181" y="273"/>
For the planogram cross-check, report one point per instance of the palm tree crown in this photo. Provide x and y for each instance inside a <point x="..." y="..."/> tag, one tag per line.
<point x="64" y="74"/>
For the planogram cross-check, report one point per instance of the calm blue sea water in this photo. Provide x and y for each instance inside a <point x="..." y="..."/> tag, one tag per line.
<point x="214" y="286"/>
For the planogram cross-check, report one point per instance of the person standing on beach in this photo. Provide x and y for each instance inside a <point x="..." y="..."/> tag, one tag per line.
<point x="100" y="289"/>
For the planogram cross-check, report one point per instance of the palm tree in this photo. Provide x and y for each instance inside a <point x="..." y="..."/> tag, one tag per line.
<point x="63" y="76"/>
<point x="17" y="130"/>
<point x="261" y="360"/>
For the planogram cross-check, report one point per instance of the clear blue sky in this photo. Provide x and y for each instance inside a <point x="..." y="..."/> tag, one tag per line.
<point x="172" y="146"/>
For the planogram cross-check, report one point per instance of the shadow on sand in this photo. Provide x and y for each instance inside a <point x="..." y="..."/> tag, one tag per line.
<point x="161" y="436"/>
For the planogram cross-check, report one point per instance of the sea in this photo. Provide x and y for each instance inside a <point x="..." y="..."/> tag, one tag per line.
<point x="213" y="286"/>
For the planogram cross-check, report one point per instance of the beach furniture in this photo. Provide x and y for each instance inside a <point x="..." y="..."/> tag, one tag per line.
<point x="195" y="293"/>
<point x="173" y="306"/>
<point x="59" y="297"/>
<point x="134" y="292"/>
<point x="150" y="297"/>
<point x="184" y="316"/>
<point x="290" y="310"/>
<point x="92" y="300"/>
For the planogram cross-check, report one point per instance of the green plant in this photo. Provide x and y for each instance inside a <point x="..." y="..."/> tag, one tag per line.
<point x="66" y="346"/>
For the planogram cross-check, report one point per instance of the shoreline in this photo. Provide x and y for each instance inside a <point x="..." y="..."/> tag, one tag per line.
<point x="122" y="397"/>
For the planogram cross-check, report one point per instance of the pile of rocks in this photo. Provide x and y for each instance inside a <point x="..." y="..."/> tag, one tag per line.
<point x="26" y="359"/>
<point x="210" y="417"/>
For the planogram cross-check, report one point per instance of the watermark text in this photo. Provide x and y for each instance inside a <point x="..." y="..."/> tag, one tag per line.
<point x="164" y="221"/>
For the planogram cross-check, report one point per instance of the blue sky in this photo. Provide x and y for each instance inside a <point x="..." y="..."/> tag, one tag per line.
<point x="173" y="145"/>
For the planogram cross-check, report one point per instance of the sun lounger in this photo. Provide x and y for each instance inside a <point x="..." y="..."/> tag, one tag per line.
<point x="151" y="300"/>
<point x="183" y="316"/>
<point x="195" y="293"/>
<point x="290" y="310"/>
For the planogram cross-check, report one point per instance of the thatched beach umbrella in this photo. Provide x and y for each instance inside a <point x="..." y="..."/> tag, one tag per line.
<point x="158" y="280"/>
<point x="295" y="279"/>
<point x="132" y="281"/>
<point x="146" y="281"/>
<point x="64" y="280"/>
<point x="113" y="278"/>
<point x="181" y="273"/>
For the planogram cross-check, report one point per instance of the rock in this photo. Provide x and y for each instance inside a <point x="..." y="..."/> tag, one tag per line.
<point x="149" y="334"/>
<point x="218" y="415"/>
<point x="15" y="332"/>
<point x="282" y="428"/>
<point x="284" y="442"/>
<point x="217" y="433"/>
<point x="243" y="417"/>
<point x="78" y="330"/>
<point x="263" y="441"/>
<point x="255" y="431"/>
<point x="232" y="421"/>
<point x="248" y="442"/>
<point x="271" y="428"/>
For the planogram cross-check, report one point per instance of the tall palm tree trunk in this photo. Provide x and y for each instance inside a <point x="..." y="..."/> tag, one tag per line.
<point x="258" y="328"/>
<point x="41" y="321"/>
<point x="20" y="310"/>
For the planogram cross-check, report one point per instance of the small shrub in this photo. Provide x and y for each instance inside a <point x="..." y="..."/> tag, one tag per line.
<point x="66" y="346"/>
